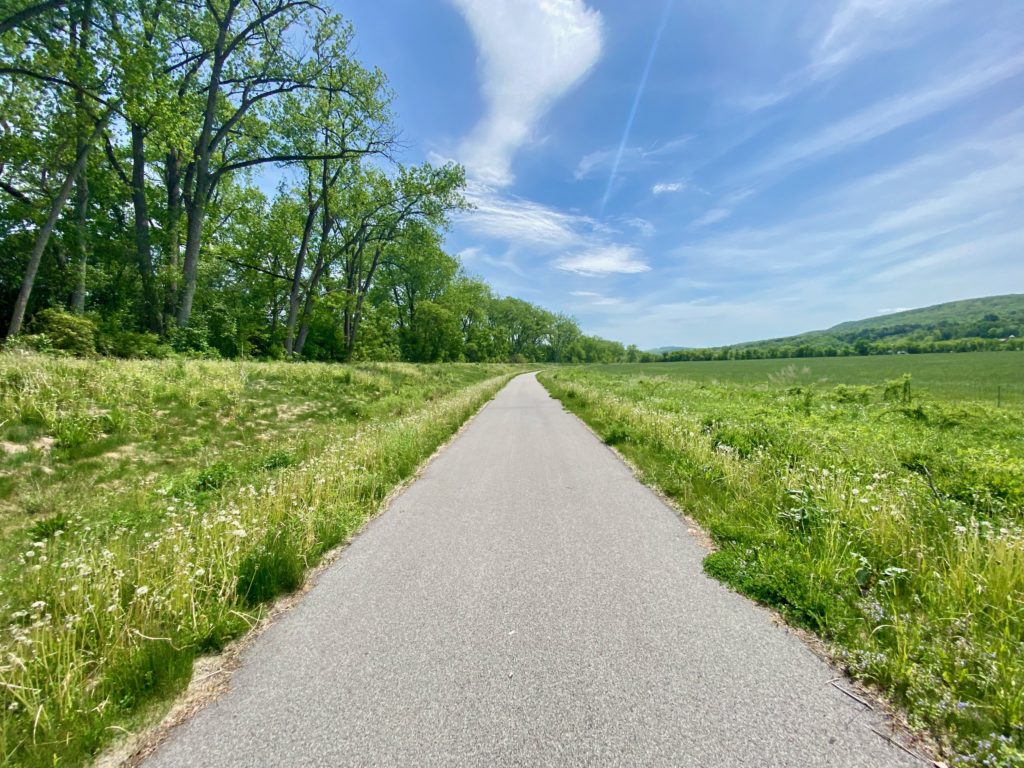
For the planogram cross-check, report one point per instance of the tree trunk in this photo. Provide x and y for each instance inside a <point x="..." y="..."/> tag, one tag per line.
<point x="314" y="281"/>
<point x="143" y="247"/>
<point x="81" y="234"/>
<point x="326" y="222"/>
<point x="172" y="173"/>
<point x="190" y="272"/>
<point x="204" y="181"/>
<point x="296" y="289"/>
<point x="43" y="236"/>
<point x="80" y="43"/>
<point x="362" y="288"/>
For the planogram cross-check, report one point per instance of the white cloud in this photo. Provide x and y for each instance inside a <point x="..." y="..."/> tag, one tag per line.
<point x="603" y="260"/>
<point x="633" y="158"/>
<point x="603" y="159"/>
<point x="893" y="113"/>
<point x="597" y="299"/>
<point x="665" y="187"/>
<point x="712" y="217"/>
<point x="583" y="246"/>
<point x="859" y="26"/>
<point x="643" y="226"/>
<point x="517" y="220"/>
<point x="930" y="229"/>
<point x="531" y="53"/>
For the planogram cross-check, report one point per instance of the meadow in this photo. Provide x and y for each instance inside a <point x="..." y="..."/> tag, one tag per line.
<point x="883" y="511"/>
<point x="990" y="377"/>
<point x="152" y="509"/>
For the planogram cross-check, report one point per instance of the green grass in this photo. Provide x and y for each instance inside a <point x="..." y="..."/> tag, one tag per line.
<point x="988" y="377"/>
<point x="152" y="508"/>
<point x="887" y="516"/>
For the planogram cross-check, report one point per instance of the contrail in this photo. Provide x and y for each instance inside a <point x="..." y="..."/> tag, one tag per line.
<point x="636" y="103"/>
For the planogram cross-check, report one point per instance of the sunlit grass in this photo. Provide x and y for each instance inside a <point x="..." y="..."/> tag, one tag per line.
<point x="105" y="608"/>
<point x="889" y="522"/>
<point x="990" y="377"/>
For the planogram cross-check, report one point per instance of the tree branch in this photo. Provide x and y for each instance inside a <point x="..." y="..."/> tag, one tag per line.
<point x="20" y="17"/>
<point x="17" y="194"/>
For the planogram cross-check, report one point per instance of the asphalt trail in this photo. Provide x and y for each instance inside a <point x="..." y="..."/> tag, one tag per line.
<point x="527" y="602"/>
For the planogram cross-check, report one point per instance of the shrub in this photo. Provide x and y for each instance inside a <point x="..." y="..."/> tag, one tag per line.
<point x="66" y="332"/>
<point x="130" y="344"/>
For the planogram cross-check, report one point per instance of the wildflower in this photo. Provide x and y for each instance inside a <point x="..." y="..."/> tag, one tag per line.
<point x="140" y="591"/>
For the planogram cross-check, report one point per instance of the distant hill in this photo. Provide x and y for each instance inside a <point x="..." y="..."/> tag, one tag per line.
<point x="993" y="322"/>
<point x="664" y="350"/>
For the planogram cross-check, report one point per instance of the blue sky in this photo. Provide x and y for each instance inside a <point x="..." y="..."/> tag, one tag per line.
<point x="704" y="172"/>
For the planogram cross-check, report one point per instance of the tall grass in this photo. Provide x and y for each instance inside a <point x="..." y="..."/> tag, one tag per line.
<point x="890" y="524"/>
<point x="104" y="616"/>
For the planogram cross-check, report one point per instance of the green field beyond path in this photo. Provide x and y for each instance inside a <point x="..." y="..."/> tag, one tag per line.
<point x="883" y="512"/>
<point x="980" y="376"/>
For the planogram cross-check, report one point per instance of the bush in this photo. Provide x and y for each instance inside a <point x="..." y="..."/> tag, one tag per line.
<point x="130" y="344"/>
<point x="66" y="332"/>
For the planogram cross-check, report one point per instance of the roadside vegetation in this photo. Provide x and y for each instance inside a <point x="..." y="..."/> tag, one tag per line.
<point x="886" y="516"/>
<point x="152" y="508"/>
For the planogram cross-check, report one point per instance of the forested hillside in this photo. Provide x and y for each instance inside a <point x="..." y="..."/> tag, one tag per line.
<point x="136" y="147"/>
<point x="972" y="325"/>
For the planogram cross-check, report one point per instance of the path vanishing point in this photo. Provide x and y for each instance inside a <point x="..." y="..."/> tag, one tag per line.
<point x="527" y="602"/>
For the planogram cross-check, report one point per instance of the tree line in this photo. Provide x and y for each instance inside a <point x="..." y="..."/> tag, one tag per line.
<point x="832" y="349"/>
<point x="137" y="141"/>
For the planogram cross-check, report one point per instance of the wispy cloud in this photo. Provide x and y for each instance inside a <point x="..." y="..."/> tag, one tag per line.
<point x="861" y="26"/>
<point x="932" y="216"/>
<point x="643" y="226"/>
<point x="724" y="208"/>
<point x="663" y="188"/>
<point x="896" y="112"/>
<point x="597" y="299"/>
<point x="531" y="53"/>
<point x="576" y="243"/>
<point x="636" y="102"/>
<point x="854" y="30"/>
<point x="603" y="260"/>
<point x="602" y="161"/>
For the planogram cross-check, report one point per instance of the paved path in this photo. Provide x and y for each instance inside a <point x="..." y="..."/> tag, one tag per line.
<point x="528" y="603"/>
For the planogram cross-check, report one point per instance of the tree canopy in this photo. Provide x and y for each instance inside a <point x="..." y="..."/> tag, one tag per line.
<point x="135" y="142"/>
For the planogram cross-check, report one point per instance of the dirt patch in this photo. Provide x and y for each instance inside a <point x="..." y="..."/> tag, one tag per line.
<point x="127" y="451"/>
<point x="43" y="444"/>
<point x="288" y="412"/>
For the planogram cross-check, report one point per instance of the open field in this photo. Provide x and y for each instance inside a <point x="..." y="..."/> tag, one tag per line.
<point x="883" y="513"/>
<point x="979" y="376"/>
<point x="152" y="508"/>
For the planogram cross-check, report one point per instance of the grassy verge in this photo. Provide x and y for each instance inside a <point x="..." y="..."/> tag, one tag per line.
<point x="888" y="522"/>
<point x="105" y="609"/>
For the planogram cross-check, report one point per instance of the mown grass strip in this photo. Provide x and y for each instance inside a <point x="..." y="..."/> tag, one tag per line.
<point x="103" y="623"/>
<point x="890" y="524"/>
